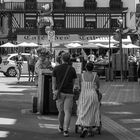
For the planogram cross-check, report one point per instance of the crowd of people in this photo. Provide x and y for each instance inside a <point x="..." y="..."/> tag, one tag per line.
<point x="63" y="85"/>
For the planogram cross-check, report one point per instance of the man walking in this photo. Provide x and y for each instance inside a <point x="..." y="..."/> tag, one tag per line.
<point x="65" y="74"/>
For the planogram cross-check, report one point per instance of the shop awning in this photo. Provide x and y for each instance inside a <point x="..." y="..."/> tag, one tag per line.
<point x="105" y="40"/>
<point x="25" y="44"/>
<point x="8" y="45"/>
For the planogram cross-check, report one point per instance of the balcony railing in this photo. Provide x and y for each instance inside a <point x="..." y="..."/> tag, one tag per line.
<point x="71" y="20"/>
<point x="21" y="6"/>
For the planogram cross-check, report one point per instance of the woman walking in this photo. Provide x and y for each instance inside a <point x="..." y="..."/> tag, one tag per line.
<point x="19" y="65"/>
<point x="88" y="104"/>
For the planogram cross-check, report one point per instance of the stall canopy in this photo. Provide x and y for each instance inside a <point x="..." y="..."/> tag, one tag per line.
<point x="60" y="47"/>
<point x="89" y="46"/>
<point x="25" y="44"/>
<point x="8" y="45"/>
<point x="33" y="44"/>
<point x="132" y="46"/>
<point x="73" y="45"/>
<point x="105" y="40"/>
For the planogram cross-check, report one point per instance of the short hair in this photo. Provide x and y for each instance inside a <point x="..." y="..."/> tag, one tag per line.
<point x="89" y="66"/>
<point x="66" y="57"/>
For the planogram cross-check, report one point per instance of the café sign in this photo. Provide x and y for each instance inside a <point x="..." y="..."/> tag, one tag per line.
<point x="58" y="38"/>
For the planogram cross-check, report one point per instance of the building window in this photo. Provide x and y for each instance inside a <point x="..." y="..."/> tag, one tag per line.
<point x="114" y="23"/>
<point x="59" y="24"/>
<point x="90" y="21"/>
<point x="59" y="4"/>
<point x="30" y="23"/>
<point x="90" y="4"/>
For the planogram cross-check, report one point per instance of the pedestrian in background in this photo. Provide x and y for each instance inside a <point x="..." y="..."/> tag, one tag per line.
<point x="88" y="103"/>
<point x="31" y="65"/>
<point x="91" y="56"/>
<point x="19" y="65"/>
<point x="65" y="101"/>
<point x="43" y="62"/>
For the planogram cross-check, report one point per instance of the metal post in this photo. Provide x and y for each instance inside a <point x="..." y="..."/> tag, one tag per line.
<point x="51" y="46"/>
<point x="120" y="22"/>
<point x="38" y="35"/>
<point x="121" y="53"/>
<point x="38" y="30"/>
<point x="109" y="60"/>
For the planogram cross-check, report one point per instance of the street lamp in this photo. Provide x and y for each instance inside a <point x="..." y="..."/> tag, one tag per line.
<point x="120" y="23"/>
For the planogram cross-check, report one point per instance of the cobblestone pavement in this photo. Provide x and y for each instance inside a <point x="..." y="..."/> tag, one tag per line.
<point x="120" y="105"/>
<point x="119" y="112"/>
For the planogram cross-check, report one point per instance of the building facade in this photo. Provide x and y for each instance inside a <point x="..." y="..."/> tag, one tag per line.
<point x="73" y="19"/>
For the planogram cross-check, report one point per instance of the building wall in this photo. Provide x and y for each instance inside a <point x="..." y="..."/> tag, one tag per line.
<point x="131" y="4"/>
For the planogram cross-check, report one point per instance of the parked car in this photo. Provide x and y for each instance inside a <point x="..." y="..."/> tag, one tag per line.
<point x="8" y="65"/>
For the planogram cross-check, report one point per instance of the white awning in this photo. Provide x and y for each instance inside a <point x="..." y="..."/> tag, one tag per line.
<point x="105" y="40"/>
<point x="8" y="45"/>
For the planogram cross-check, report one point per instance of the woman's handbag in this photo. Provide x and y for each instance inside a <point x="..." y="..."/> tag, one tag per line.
<point x="56" y="95"/>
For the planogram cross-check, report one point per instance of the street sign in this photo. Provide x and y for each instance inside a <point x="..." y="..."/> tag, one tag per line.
<point x="51" y="35"/>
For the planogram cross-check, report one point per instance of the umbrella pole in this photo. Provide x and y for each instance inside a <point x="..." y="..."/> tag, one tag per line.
<point x="109" y="60"/>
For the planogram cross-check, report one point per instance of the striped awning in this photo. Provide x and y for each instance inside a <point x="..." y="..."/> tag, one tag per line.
<point x="105" y="40"/>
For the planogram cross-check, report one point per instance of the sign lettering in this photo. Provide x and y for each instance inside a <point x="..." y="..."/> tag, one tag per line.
<point x="57" y="38"/>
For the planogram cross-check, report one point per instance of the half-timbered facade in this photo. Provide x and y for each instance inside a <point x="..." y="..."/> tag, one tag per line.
<point x="80" y="17"/>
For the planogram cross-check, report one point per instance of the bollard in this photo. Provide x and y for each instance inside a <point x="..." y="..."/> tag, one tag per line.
<point x="34" y="104"/>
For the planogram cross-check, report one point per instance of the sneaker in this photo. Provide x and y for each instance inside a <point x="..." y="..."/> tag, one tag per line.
<point x="66" y="133"/>
<point x="60" y="129"/>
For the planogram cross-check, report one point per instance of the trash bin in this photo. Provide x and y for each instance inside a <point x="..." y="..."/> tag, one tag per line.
<point x="49" y="105"/>
<point x="46" y="103"/>
<point x="132" y="72"/>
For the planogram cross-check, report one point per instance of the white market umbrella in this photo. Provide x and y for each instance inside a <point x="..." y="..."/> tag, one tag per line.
<point x="101" y="45"/>
<point x="112" y="45"/>
<point x="33" y="44"/>
<point x="73" y="45"/>
<point x="24" y="44"/>
<point x="128" y="46"/>
<point x="132" y="46"/>
<point x="60" y="47"/>
<point x="89" y="46"/>
<point x="8" y="45"/>
<point x="105" y="40"/>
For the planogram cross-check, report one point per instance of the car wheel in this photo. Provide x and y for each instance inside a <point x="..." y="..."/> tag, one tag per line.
<point x="11" y="72"/>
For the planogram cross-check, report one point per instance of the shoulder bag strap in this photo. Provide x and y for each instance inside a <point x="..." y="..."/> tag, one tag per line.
<point x="95" y="74"/>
